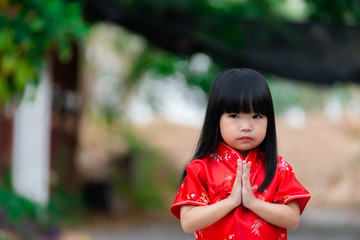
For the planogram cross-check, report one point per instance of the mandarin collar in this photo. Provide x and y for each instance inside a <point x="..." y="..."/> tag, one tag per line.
<point x="228" y="153"/>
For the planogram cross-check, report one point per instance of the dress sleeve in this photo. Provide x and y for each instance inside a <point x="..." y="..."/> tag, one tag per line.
<point x="289" y="187"/>
<point x="193" y="190"/>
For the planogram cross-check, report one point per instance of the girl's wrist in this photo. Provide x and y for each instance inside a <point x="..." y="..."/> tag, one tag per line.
<point x="231" y="203"/>
<point x="254" y="204"/>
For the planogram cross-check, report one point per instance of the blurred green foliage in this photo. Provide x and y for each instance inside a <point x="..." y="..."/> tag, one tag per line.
<point x="256" y="9"/>
<point x="157" y="64"/>
<point x="160" y="64"/>
<point x="16" y="210"/>
<point x="338" y="11"/>
<point x="29" y="31"/>
<point x="341" y="11"/>
<point x="221" y="24"/>
<point x="143" y="62"/>
<point x="20" y="215"/>
<point x="29" y="220"/>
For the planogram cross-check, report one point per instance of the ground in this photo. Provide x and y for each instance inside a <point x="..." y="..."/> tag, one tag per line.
<point x="330" y="226"/>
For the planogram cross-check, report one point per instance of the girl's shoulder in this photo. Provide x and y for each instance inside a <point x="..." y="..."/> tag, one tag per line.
<point x="283" y="165"/>
<point x="199" y="163"/>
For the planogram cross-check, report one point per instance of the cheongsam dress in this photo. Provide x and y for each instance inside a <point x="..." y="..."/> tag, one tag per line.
<point x="210" y="180"/>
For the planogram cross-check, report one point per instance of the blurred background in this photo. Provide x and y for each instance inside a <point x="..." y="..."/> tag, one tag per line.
<point x="101" y="104"/>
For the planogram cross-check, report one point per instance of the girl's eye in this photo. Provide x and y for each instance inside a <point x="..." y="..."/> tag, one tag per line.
<point x="233" y="116"/>
<point x="257" y="116"/>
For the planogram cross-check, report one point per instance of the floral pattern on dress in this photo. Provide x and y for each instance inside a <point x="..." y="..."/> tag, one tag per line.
<point x="228" y="177"/>
<point x="283" y="165"/>
<point x="285" y="199"/>
<point x="256" y="227"/>
<point x="204" y="198"/>
<point x="227" y="155"/>
<point x="283" y="236"/>
<point x="216" y="156"/>
<point x="231" y="236"/>
<point x="261" y="197"/>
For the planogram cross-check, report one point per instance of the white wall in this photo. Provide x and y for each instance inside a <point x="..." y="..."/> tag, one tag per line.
<point x="31" y="146"/>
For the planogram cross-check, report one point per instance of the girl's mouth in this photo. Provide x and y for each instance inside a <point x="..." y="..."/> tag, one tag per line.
<point x="245" y="138"/>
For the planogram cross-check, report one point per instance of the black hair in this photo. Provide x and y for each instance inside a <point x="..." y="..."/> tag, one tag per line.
<point x="234" y="91"/>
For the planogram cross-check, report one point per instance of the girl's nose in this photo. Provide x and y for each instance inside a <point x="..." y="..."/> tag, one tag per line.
<point x="245" y="126"/>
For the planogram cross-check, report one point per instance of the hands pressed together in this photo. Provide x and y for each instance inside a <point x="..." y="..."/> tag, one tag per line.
<point x="194" y="218"/>
<point x="242" y="190"/>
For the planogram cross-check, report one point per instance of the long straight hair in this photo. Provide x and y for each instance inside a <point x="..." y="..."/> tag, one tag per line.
<point x="239" y="91"/>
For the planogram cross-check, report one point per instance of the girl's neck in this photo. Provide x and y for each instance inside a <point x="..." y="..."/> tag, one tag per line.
<point x="243" y="153"/>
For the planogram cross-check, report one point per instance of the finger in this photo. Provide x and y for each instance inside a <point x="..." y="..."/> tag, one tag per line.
<point x="239" y="171"/>
<point x="244" y="172"/>
<point x="243" y="163"/>
<point x="248" y="166"/>
<point x="239" y="165"/>
<point x="247" y="173"/>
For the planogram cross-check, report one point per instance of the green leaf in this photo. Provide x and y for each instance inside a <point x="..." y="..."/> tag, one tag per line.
<point x="8" y="63"/>
<point x="25" y="72"/>
<point x="6" y="40"/>
<point x="4" y="90"/>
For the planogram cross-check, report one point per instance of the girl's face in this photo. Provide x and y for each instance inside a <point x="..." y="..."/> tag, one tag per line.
<point x="243" y="131"/>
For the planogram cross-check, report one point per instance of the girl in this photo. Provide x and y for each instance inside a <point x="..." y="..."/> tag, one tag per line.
<point x="236" y="187"/>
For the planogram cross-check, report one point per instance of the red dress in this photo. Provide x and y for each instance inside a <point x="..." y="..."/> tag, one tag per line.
<point x="210" y="180"/>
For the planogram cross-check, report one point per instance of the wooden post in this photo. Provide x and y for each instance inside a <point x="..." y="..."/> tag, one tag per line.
<point x="6" y="133"/>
